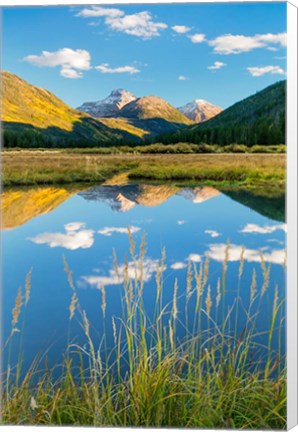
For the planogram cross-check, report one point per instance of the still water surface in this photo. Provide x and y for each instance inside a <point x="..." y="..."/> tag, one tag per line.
<point x="42" y="225"/>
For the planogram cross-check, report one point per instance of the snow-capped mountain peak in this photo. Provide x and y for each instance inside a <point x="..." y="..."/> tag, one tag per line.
<point x="109" y="106"/>
<point x="200" y="110"/>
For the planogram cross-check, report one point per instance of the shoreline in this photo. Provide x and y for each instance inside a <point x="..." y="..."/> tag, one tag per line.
<point x="21" y="168"/>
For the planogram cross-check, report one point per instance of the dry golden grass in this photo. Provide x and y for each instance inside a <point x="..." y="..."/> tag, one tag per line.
<point x="54" y="167"/>
<point x="50" y="167"/>
<point x="215" y="377"/>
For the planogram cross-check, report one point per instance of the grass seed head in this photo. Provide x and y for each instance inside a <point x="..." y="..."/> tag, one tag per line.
<point x="103" y="300"/>
<point x="241" y="262"/>
<point x="253" y="286"/>
<point x="17" y="308"/>
<point x="73" y="305"/>
<point x="28" y="286"/>
<point x="175" y="309"/>
<point x="208" y="300"/>
<point x="218" y="293"/>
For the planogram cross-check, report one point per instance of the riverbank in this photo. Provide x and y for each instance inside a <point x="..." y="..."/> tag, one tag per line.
<point x="60" y="167"/>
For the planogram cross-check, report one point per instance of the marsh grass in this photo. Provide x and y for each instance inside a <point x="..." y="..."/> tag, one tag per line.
<point x="245" y="170"/>
<point x="60" y="167"/>
<point x="216" y="376"/>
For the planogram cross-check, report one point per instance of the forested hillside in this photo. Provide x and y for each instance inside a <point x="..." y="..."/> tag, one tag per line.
<point x="258" y="119"/>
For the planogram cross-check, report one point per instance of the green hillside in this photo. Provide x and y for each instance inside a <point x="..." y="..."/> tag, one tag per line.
<point x="33" y="116"/>
<point x="258" y="119"/>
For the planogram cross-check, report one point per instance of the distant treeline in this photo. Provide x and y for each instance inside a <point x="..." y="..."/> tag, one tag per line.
<point x="180" y="148"/>
<point x="263" y="132"/>
<point x="202" y="141"/>
<point x="31" y="138"/>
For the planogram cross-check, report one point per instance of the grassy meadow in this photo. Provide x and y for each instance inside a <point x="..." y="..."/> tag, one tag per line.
<point x="216" y="377"/>
<point x="35" y="167"/>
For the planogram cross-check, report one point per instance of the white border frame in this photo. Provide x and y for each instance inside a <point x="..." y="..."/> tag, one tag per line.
<point x="291" y="315"/>
<point x="124" y="2"/>
<point x="292" y="143"/>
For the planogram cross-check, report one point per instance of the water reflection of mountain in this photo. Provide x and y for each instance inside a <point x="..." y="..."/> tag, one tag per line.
<point x="198" y="194"/>
<point x="124" y="197"/>
<point x="21" y="205"/>
<point x="271" y="206"/>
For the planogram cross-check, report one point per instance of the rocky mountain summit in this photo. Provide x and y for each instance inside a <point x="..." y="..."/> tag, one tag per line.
<point x="200" y="110"/>
<point x="110" y="106"/>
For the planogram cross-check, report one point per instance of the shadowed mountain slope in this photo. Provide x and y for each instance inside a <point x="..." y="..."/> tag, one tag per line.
<point x="258" y="119"/>
<point x="29" y="108"/>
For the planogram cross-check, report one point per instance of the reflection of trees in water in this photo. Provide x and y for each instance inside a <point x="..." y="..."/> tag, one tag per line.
<point x="269" y="205"/>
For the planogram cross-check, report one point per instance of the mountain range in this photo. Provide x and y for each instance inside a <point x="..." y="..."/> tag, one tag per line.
<point x="200" y="110"/>
<point x="122" y="103"/>
<point x="21" y="206"/>
<point x="110" y="106"/>
<point x="35" y="117"/>
<point x="122" y="198"/>
<point x="18" y="207"/>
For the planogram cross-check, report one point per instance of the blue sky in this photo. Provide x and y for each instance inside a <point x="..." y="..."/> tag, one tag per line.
<point x="180" y="52"/>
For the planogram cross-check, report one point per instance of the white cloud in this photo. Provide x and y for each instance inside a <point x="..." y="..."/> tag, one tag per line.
<point x="212" y="233"/>
<point x="181" y="222"/>
<point x="71" y="61"/>
<point x="195" y="258"/>
<point x="182" y="78"/>
<point x="197" y="38"/>
<point x="259" y="71"/>
<point x="70" y="73"/>
<point x="74" y="226"/>
<point x="93" y="24"/>
<point x="216" y="65"/>
<point x="140" y="24"/>
<point x="108" y="231"/>
<point x="149" y="267"/>
<point x="236" y="44"/>
<point x="271" y="48"/>
<point x="275" y="241"/>
<point x="178" y="265"/>
<point x="279" y="39"/>
<point x="181" y="29"/>
<point x="217" y="252"/>
<point x="106" y="69"/>
<point x="98" y="11"/>
<point x="75" y="237"/>
<point x="266" y="229"/>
